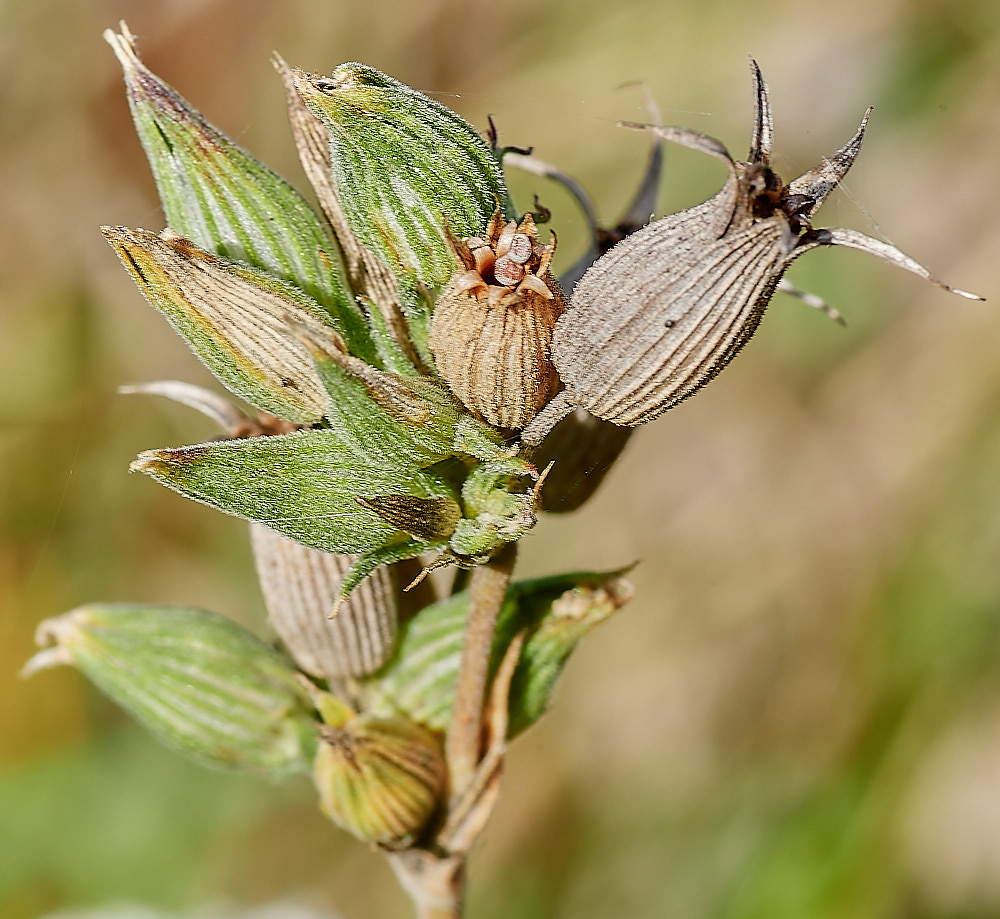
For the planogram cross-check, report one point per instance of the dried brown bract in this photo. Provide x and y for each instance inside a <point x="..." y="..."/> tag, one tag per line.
<point x="492" y="325"/>
<point x="666" y="309"/>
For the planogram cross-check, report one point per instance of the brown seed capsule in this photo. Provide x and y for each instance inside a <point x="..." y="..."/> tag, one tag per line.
<point x="582" y="450"/>
<point x="379" y="778"/>
<point x="659" y="315"/>
<point x="301" y="587"/>
<point x="493" y="323"/>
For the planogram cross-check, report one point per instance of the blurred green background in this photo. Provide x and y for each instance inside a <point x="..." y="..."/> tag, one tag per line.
<point x="799" y="715"/>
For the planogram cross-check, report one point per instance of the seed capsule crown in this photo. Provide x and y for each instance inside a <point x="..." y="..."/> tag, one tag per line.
<point x="492" y="325"/>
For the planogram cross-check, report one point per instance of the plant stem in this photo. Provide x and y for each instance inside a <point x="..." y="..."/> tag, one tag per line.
<point x="436" y="884"/>
<point x="435" y="877"/>
<point x="487" y="589"/>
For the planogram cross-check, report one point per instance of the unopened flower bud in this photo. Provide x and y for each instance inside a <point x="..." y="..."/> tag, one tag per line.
<point x="201" y="684"/>
<point x="379" y="778"/>
<point x="404" y="165"/>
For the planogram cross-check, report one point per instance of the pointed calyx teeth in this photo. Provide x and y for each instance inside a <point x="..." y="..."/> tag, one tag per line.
<point x="492" y="324"/>
<point x="823" y="178"/>
<point x="663" y="312"/>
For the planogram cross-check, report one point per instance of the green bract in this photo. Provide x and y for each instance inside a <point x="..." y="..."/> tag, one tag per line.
<point x="203" y="685"/>
<point x="238" y="320"/>
<point x="303" y="485"/>
<point x="225" y="201"/>
<point x="404" y="167"/>
<point x="554" y="612"/>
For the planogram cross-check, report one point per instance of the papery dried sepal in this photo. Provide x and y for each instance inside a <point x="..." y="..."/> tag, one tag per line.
<point x="662" y="313"/>
<point x="582" y="450"/>
<point x="301" y="587"/>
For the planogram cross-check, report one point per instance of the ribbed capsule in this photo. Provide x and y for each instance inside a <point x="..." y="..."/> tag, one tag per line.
<point x="663" y="312"/>
<point x="492" y="325"/>
<point x="379" y="778"/>
<point x="302" y="585"/>
<point x="582" y="450"/>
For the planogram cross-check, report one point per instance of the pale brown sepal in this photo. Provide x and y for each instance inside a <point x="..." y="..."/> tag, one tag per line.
<point x="301" y="587"/>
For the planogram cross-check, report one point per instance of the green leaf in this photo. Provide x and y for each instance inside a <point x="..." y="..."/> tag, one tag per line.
<point x="404" y="165"/>
<point x="385" y="555"/>
<point x="245" y="326"/>
<point x="556" y="612"/>
<point x="201" y="684"/>
<point x="388" y="416"/>
<point x="225" y="201"/>
<point x="302" y="485"/>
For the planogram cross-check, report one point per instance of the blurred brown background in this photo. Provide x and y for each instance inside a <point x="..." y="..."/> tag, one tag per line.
<point x="799" y="715"/>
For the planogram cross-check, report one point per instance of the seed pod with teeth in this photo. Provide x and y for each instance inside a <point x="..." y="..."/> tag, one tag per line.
<point x="379" y="778"/>
<point x="659" y="315"/>
<point x="493" y="323"/>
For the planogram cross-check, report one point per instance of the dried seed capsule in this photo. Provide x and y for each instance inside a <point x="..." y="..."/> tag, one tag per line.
<point x="493" y="323"/>
<point x="659" y="315"/>
<point x="582" y="450"/>
<point x="301" y="587"/>
<point x="379" y="778"/>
